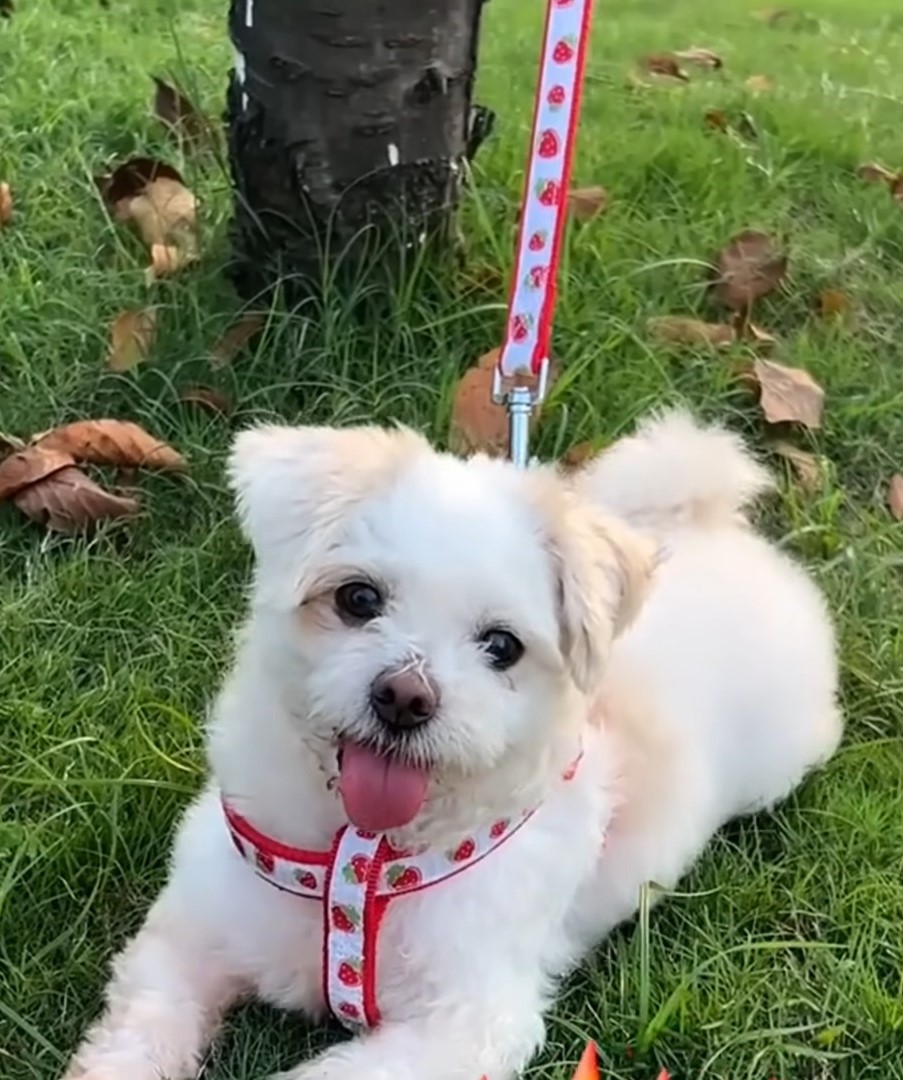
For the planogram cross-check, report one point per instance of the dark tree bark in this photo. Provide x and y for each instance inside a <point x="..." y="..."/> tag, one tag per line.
<point x="349" y="124"/>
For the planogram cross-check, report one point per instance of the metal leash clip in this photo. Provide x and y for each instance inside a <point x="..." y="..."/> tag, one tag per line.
<point x="521" y="400"/>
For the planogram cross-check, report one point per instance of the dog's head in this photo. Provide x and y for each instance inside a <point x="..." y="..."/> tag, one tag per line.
<point x="428" y="618"/>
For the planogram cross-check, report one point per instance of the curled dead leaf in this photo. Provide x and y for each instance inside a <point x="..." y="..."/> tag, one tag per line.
<point x="682" y="330"/>
<point x="788" y="395"/>
<point x="873" y="173"/>
<point x="235" y="338"/>
<point x="749" y="267"/>
<point x="806" y="466"/>
<point x="759" y="84"/>
<point x="206" y="398"/>
<point x="22" y="468"/>
<point x="184" y="120"/>
<point x="833" y="303"/>
<point x="701" y="57"/>
<point x="70" y="502"/>
<point x="585" y="203"/>
<point x="151" y="196"/>
<point x="132" y="334"/>
<point x="895" y="496"/>
<point x="6" y="204"/>
<point x="112" y="442"/>
<point x="665" y="64"/>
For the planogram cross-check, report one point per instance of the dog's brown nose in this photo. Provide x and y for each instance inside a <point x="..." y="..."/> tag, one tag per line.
<point x="404" y="697"/>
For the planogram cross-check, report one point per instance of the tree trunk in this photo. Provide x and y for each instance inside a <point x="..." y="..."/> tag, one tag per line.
<point x="349" y="123"/>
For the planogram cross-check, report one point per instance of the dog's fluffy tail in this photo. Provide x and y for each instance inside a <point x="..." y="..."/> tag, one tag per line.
<point x="675" y="472"/>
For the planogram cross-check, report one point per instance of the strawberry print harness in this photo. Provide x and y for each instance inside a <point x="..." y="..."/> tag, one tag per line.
<point x="356" y="880"/>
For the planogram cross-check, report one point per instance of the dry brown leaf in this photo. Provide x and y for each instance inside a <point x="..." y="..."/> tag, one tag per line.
<point x="477" y="423"/>
<point x="664" y="64"/>
<point x="151" y="196"/>
<point x="6" y="204"/>
<point x="895" y="496"/>
<point x="806" y="466"/>
<point x="212" y="400"/>
<point x="112" y="442"/>
<point x="579" y="454"/>
<point x="788" y="395"/>
<point x="131" y="337"/>
<point x="167" y="260"/>
<point x="716" y="119"/>
<point x="756" y="334"/>
<point x="701" y="57"/>
<point x="28" y="466"/>
<point x="585" y="203"/>
<point x="833" y="303"/>
<point x="741" y="128"/>
<point x="873" y="173"/>
<point x="186" y="122"/>
<point x="682" y="330"/>
<point x="235" y="338"/>
<point x="759" y="84"/>
<point x="747" y="269"/>
<point x="896" y="189"/>
<point x="70" y="502"/>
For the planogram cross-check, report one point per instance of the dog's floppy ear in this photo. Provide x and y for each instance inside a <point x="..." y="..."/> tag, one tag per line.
<point x="603" y="569"/>
<point x="294" y="487"/>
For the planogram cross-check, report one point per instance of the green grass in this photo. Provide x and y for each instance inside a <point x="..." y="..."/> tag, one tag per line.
<point x="783" y="955"/>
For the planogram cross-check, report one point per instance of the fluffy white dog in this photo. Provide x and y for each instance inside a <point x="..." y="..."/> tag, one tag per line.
<point x="472" y="711"/>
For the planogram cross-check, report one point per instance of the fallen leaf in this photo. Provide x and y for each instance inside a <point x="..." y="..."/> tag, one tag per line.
<point x="131" y="177"/>
<point x="70" y="502"/>
<point x="235" y="338"/>
<point x="682" y="330"/>
<point x="167" y="260"/>
<point x="588" y="1066"/>
<point x="31" y="464"/>
<point x="6" y="204"/>
<point x="665" y="64"/>
<point x="741" y="129"/>
<point x="152" y="197"/>
<point x="873" y="173"/>
<point x="896" y="189"/>
<point x="895" y="496"/>
<point x="664" y="1075"/>
<point x="759" y="84"/>
<point x="586" y="203"/>
<point x="832" y="303"/>
<point x="717" y="119"/>
<point x="806" y="466"/>
<point x="756" y="334"/>
<point x="211" y="400"/>
<point x="131" y="336"/>
<point x="700" y="57"/>
<point x="747" y="269"/>
<point x="186" y="122"/>
<point x="112" y="442"/>
<point x="578" y="455"/>
<point x="477" y="422"/>
<point x="788" y="395"/>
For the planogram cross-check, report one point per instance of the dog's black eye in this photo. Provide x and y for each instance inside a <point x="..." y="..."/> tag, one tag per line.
<point x="502" y="647"/>
<point x="358" y="601"/>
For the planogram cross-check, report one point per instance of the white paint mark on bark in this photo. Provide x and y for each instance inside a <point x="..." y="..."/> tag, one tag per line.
<point x="393" y="154"/>
<point x="241" y="68"/>
<point x="249" y="12"/>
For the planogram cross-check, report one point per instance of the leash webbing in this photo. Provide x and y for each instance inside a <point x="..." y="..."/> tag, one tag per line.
<point x="531" y="302"/>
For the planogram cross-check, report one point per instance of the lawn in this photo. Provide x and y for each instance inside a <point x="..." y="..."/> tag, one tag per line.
<point x="783" y="955"/>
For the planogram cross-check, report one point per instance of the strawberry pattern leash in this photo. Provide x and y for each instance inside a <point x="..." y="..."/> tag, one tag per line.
<point x="531" y="304"/>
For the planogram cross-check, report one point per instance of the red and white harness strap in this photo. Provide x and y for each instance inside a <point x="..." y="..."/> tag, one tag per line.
<point x="356" y="881"/>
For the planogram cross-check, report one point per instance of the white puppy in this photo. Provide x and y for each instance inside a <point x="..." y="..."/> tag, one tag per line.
<point x="459" y="736"/>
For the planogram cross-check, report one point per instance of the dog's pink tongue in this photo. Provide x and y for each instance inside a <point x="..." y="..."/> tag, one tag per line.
<point x="379" y="793"/>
